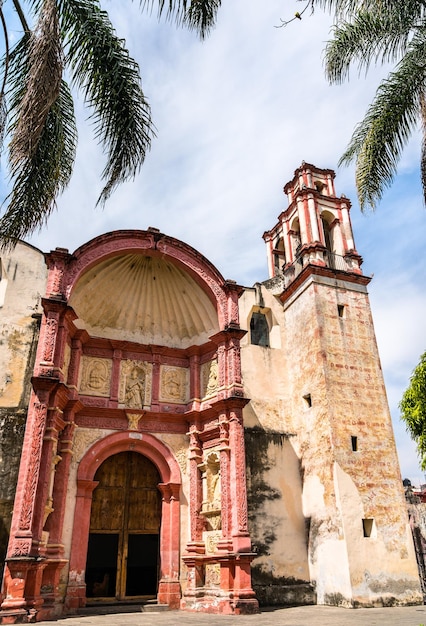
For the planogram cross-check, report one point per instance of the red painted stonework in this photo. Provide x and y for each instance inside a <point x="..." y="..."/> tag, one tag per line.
<point x="37" y="555"/>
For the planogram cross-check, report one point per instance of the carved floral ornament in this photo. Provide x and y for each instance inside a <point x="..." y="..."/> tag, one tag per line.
<point x="83" y="439"/>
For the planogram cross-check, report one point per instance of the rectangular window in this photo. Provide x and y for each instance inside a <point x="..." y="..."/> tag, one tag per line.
<point x="368" y="527"/>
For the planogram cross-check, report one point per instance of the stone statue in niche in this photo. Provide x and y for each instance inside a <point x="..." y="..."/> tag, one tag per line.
<point x="213" y="485"/>
<point x="135" y="389"/>
<point x="95" y="376"/>
<point x="209" y="378"/>
<point x="211" y="506"/>
<point x="173" y="386"/>
<point x="135" y="384"/>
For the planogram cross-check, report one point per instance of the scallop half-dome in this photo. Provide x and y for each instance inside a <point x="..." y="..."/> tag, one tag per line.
<point x="146" y="299"/>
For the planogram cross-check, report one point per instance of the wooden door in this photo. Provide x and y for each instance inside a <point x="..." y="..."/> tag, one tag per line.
<point x="123" y="552"/>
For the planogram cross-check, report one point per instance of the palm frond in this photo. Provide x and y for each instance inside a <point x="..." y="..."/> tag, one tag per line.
<point x="199" y="15"/>
<point x="110" y="81"/>
<point x="367" y="39"/>
<point x="21" y="15"/>
<point x="17" y="78"/>
<point x="345" y="9"/>
<point x="173" y="9"/>
<point x="5" y="69"/>
<point x="378" y="141"/>
<point x="44" y="72"/>
<point x="43" y="175"/>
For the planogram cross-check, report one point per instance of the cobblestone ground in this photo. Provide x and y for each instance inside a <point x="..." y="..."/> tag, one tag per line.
<point x="297" y="616"/>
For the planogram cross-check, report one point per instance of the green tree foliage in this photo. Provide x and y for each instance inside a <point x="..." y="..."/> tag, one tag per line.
<point x="370" y="32"/>
<point x="37" y="109"/>
<point x="413" y="408"/>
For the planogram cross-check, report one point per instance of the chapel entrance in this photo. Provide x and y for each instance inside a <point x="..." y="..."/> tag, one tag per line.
<point x="123" y="552"/>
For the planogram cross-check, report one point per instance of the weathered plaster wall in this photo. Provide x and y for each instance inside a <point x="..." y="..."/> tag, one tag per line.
<point x="336" y="365"/>
<point x="264" y="370"/>
<point x="323" y="388"/>
<point x="280" y="572"/>
<point x="22" y="281"/>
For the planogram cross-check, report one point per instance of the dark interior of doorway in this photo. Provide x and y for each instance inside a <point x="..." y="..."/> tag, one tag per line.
<point x="142" y="564"/>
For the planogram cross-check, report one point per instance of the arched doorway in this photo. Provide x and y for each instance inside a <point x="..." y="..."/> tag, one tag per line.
<point x="123" y="548"/>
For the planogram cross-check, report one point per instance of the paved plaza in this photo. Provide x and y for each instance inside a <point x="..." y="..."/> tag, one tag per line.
<point x="294" y="616"/>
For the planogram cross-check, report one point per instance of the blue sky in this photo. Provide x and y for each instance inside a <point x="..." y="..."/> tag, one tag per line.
<point x="235" y="115"/>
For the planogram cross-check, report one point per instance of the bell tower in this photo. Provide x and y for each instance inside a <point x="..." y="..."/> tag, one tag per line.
<point x="315" y="229"/>
<point x="324" y="391"/>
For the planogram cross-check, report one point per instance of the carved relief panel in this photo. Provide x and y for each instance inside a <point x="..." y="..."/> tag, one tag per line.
<point x="95" y="376"/>
<point x="174" y="384"/>
<point x="135" y="384"/>
<point x="209" y="378"/>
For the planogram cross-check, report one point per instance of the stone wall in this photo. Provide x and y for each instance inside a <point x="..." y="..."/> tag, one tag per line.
<point x="323" y="478"/>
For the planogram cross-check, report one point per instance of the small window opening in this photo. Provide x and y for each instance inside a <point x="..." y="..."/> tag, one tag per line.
<point x="308" y="399"/>
<point x="259" y="330"/>
<point x="354" y="442"/>
<point x="341" y="310"/>
<point x="367" y="526"/>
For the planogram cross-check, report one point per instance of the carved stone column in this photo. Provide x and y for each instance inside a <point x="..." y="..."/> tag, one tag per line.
<point x="47" y="363"/>
<point x="238" y="482"/>
<point x="20" y="543"/>
<point x="195" y="547"/>
<point x="22" y="554"/>
<point x="196" y="495"/>
<point x="55" y="522"/>
<point x="169" y="586"/>
<point x="76" y="591"/>
<point x="244" y="598"/>
<point x="226" y="499"/>
<point x="57" y="261"/>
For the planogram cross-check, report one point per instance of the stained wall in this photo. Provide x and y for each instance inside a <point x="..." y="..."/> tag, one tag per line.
<point x="23" y="276"/>
<point x="322" y="462"/>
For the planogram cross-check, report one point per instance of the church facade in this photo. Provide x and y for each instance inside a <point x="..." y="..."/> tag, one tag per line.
<point x="194" y="442"/>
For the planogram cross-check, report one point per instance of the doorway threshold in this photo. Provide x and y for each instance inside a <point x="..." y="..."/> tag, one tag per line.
<point x="131" y="606"/>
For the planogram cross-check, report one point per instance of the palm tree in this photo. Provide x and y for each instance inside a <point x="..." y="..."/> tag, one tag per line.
<point x="381" y="31"/>
<point x="36" y="102"/>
